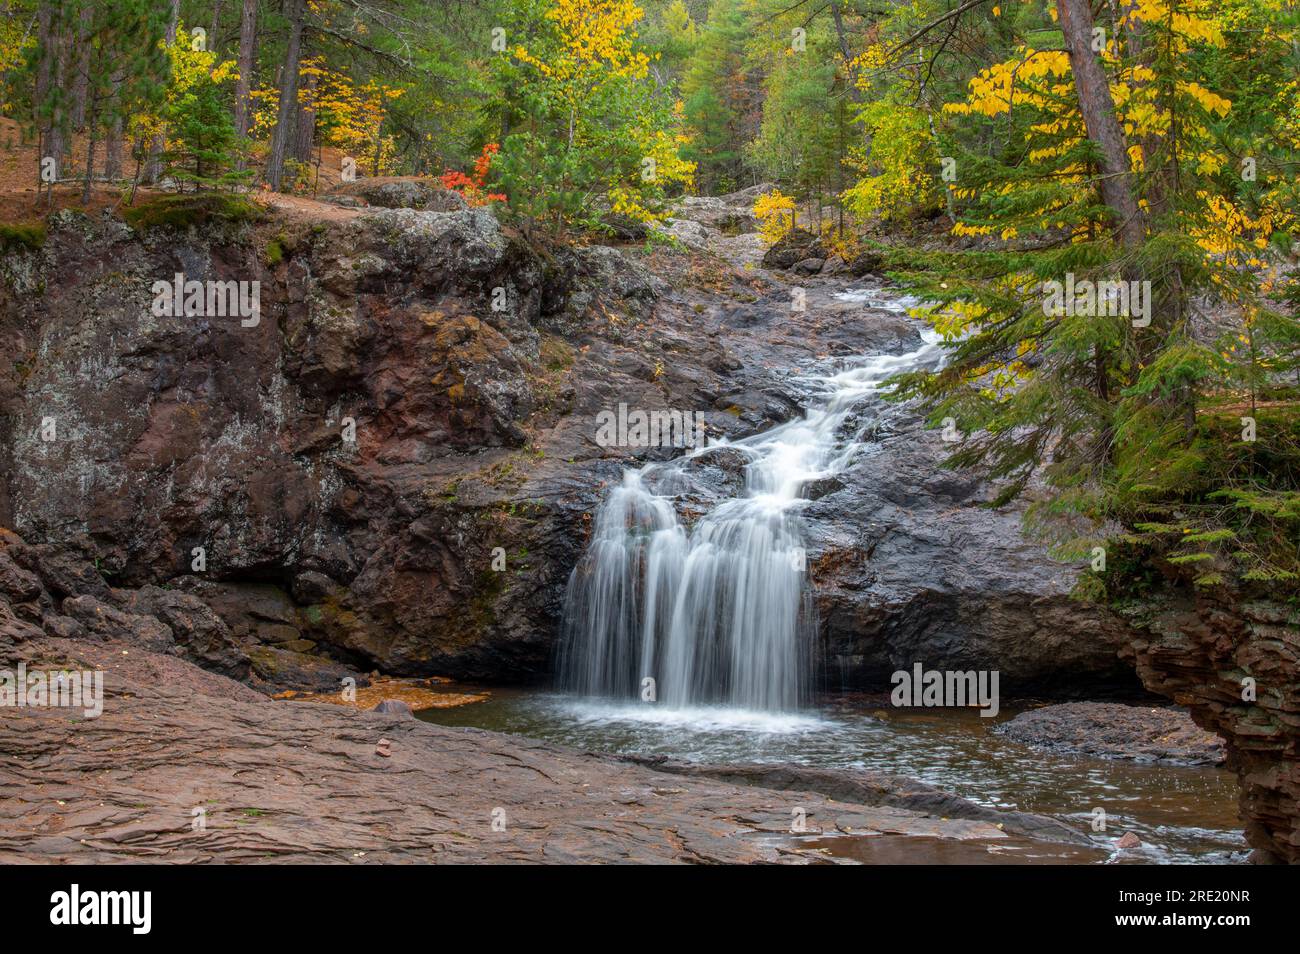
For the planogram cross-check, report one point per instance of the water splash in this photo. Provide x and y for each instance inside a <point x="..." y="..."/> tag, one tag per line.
<point x="719" y="613"/>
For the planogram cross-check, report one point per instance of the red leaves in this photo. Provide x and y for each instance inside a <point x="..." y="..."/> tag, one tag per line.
<point x="471" y="187"/>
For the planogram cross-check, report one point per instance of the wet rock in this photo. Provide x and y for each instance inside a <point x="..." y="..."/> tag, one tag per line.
<point x="394" y="707"/>
<point x="1235" y="665"/>
<point x="908" y="566"/>
<point x="1112" y="730"/>
<point x="817" y="489"/>
<point x="871" y="788"/>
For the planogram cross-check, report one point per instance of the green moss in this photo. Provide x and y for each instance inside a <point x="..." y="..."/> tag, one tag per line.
<point x="182" y="211"/>
<point x="21" y="235"/>
<point x="274" y="252"/>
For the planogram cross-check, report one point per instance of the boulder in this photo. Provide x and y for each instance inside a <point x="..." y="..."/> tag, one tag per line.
<point x="1112" y="730"/>
<point x="394" y="707"/>
<point x="865" y="263"/>
<point x="102" y="621"/>
<point x="200" y="633"/>
<point x="399" y="192"/>
<point x="797" y="245"/>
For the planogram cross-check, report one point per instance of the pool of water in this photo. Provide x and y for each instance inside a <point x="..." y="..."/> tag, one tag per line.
<point x="1182" y="814"/>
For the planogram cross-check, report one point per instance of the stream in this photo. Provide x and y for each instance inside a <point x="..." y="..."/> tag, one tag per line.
<point x="693" y="639"/>
<point x="1183" y="814"/>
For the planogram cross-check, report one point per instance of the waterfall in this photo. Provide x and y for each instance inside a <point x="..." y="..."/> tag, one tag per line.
<point x="720" y="612"/>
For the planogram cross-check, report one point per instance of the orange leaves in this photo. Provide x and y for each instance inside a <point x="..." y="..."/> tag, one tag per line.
<point x="472" y="187"/>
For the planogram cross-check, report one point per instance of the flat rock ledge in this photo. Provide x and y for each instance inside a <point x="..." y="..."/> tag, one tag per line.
<point x="875" y="789"/>
<point x="1115" y="731"/>
<point x="188" y="766"/>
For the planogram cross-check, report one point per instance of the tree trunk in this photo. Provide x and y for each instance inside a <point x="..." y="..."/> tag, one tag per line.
<point x="44" y="74"/>
<point x="247" y="46"/>
<point x="288" y="96"/>
<point x="93" y="121"/>
<point x="304" y="128"/>
<point x="1099" y="117"/>
<point x="216" y="24"/>
<point x="846" y="53"/>
<point x="81" y="66"/>
<point x="153" y="165"/>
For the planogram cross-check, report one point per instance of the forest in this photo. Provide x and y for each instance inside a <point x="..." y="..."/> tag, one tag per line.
<point x="1153" y="141"/>
<point x="647" y="385"/>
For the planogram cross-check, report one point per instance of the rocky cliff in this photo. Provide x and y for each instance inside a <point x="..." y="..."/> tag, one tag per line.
<point x="1236" y="666"/>
<point x="396" y="465"/>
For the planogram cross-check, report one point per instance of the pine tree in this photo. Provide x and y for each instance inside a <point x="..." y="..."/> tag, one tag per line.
<point x="721" y="99"/>
<point x="1133" y="415"/>
<point x="202" y="146"/>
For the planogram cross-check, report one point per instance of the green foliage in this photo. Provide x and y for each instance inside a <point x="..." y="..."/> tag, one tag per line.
<point x="587" y="133"/>
<point x="721" y="100"/>
<point x="203" y="148"/>
<point x="1137" y="423"/>
<point x="804" y="123"/>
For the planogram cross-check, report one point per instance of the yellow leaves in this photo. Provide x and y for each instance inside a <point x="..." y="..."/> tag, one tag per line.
<point x="775" y="213"/>
<point x="1136" y="161"/>
<point x="188" y="67"/>
<point x="1211" y="102"/>
<point x="1190" y="21"/>
<point x="993" y="91"/>
<point x="1049" y="152"/>
<point x="953" y="320"/>
<point x="1226" y="231"/>
<point x="594" y="34"/>
<point x="905" y="162"/>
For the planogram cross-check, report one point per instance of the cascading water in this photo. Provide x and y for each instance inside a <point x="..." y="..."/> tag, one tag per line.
<point x="719" y="613"/>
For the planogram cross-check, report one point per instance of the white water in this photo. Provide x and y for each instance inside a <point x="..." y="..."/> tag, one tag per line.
<point x="719" y="615"/>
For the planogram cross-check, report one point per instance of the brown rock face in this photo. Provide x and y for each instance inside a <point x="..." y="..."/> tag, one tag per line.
<point x="394" y="465"/>
<point x="1205" y="656"/>
<point x="301" y="452"/>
